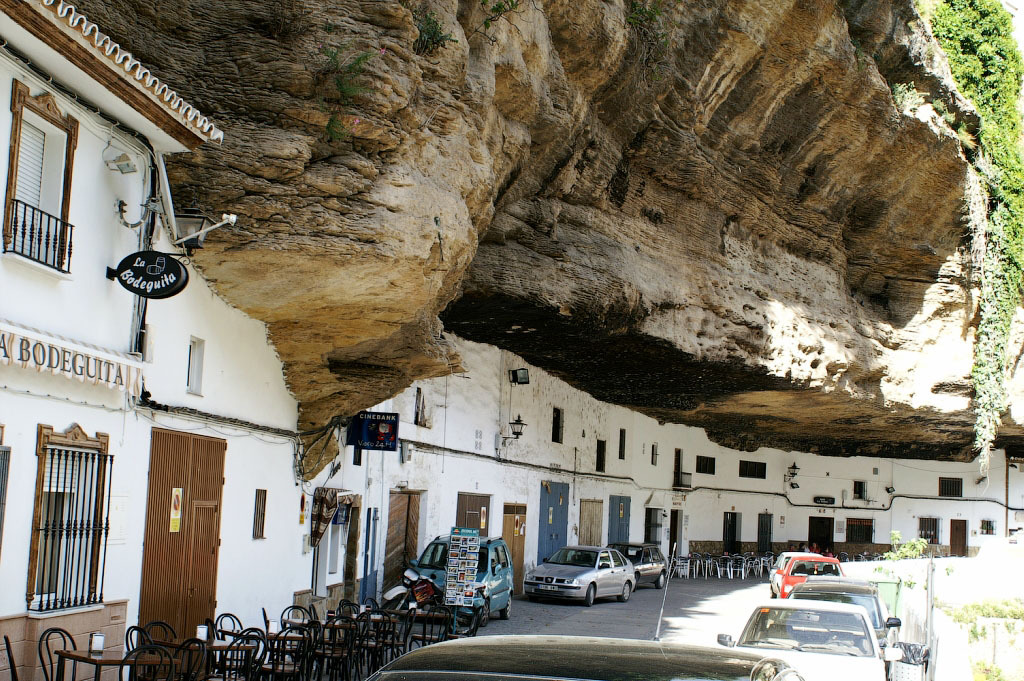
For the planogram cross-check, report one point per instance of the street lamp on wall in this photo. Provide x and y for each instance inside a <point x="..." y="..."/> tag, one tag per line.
<point x="516" y="427"/>
<point x="792" y="471"/>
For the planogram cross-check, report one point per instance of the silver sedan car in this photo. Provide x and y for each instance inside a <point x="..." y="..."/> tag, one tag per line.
<point x="582" y="573"/>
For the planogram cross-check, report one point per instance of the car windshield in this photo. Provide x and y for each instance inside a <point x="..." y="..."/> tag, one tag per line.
<point x="835" y="633"/>
<point x="631" y="552"/>
<point x="814" y="568"/>
<point x="866" y="601"/>
<point x="577" y="557"/>
<point x="435" y="556"/>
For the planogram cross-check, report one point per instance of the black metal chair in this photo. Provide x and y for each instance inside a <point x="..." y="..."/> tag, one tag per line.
<point x="211" y="630"/>
<point x="190" y="660"/>
<point x="296" y="613"/>
<point x="242" y="659"/>
<point x="266" y="620"/>
<point x="348" y="608"/>
<point x="227" y="622"/>
<point x="286" y="654"/>
<point x="335" y="652"/>
<point x="160" y="630"/>
<point x="147" y="663"/>
<point x="52" y="640"/>
<point x="134" y="637"/>
<point x="398" y="644"/>
<point x="435" y="626"/>
<point x="471" y="628"/>
<point x="371" y="603"/>
<point x="10" y="659"/>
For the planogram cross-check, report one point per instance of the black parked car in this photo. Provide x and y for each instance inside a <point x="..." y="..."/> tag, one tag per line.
<point x="522" y="658"/>
<point x="648" y="563"/>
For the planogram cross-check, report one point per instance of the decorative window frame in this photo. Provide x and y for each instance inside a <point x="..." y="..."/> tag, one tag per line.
<point x="74" y="437"/>
<point x="45" y="106"/>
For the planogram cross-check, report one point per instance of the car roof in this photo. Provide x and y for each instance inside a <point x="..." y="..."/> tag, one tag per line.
<point x="814" y="558"/>
<point x="608" y="659"/>
<point x="836" y="585"/>
<point x="827" y="606"/>
<point x="637" y="544"/>
<point x="582" y="547"/>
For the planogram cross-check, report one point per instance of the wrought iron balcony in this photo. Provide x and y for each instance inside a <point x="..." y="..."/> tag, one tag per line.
<point x="681" y="480"/>
<point x="37" y="235"/>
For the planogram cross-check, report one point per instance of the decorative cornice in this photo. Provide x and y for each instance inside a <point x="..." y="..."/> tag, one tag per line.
<point x="133" y="69"/>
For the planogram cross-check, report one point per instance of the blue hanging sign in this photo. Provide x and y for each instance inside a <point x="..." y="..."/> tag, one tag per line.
<point x="374" y="430"/>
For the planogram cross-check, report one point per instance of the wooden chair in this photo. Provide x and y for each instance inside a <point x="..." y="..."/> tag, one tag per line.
<point x="51" y="640"/>
<point x="147" y="663"/>
<point x="10" y="659"/>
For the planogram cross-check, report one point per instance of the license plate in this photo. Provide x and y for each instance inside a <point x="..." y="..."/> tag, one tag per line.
<point x="546" y="587"/>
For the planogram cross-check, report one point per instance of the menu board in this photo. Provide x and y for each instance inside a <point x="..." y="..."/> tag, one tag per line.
<point x="463" y="561"/>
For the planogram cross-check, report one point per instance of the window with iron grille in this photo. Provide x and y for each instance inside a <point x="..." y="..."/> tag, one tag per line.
<point x="5" y="459"/>
<point x="753" y="469"/>
<point x="858" y="489"/>
<point x="706" y="464"/>
<point x="259" y="514"/>
<point x="69" y="544"/>
<point x="988" y="527"/>
<point x="860" y="530"/>
<point x="951" y="487"/>
<point x="556" y="425"/>
<point x="622" y="443"/>
<point x="928" y="528"/>
<point x="39" y="173"/>
<point x="600" y="455"/>
<point x="652" y="525"/>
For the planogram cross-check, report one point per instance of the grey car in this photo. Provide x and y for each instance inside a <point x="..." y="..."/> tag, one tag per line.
<point x="582" y="573"/>
<point x="648" y="563"/>
<point x="854" y="591"/>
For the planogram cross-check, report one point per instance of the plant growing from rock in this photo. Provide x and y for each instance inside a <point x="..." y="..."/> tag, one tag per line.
<point x="432" y="36"/>
<point x="648" y="37"/>
<point x="495" y="10"/>
<point x="977" y="36"/>
<point x="340" y="75"/>
<point x="906" y="97"/>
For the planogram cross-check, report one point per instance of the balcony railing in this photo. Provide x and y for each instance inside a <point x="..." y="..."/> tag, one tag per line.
<point x="681" y="480"/>
<point x="38" y="236"/>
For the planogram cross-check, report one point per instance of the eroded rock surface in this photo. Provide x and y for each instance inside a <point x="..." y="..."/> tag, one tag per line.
<point x="747" y="236"/>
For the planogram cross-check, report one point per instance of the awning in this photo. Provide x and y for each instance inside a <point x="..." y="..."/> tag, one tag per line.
<point x="326" y="501"/>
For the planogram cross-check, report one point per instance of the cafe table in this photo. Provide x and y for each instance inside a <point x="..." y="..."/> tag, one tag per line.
<point x="108" y="658"/>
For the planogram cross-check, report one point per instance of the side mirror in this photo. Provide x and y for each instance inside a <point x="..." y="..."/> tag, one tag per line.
<point x="726" y="640"/>
<point x="545" y="560"/>
<point x="413" y="563"/>
<point x="893" y="622"/>
<point x="892" y="654"/>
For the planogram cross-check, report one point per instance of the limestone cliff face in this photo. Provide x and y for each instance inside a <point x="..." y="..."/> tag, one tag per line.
<point x="742" y="233"/>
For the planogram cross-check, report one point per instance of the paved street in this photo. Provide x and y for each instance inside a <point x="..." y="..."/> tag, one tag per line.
<point x="696" y="611"/>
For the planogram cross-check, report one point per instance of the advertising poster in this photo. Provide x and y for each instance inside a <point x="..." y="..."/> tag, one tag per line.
<point x="463" y="559"/>
<point x="176" y="509"/>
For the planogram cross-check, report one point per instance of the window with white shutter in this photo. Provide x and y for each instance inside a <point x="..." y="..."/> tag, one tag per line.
<point x="30" y="165"/>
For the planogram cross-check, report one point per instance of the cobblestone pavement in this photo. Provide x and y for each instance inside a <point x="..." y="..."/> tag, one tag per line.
<point x="696" y="611"/>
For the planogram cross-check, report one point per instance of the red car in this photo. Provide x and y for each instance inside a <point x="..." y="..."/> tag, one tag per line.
<point x="801" y="566"/>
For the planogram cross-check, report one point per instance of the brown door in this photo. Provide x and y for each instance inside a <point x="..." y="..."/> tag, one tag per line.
<point x="472" y="511"/>
<point x="403" y="536"/>
<point x="673" y="532"/>
<point x="179" y="558"/>
<point x="513" y="531"/>
<point x="591" y="517"/>
<point x="958" y="537"/>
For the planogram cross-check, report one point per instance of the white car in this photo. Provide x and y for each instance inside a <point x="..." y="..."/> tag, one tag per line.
<point x="822" y="640"/>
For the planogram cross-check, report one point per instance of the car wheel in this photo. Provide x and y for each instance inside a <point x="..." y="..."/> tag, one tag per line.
<point x="636" y="581"/>
<point x="660" y="584"/>
<point x="627" y="589"/>
<point x="485" y="614"/>
<point x="773" y="592"/>
<point x="506" y="612"/>
<point x="588" y="600"/>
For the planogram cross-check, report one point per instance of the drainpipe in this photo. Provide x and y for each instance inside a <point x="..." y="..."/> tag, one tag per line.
<point x="1006" y="482"/>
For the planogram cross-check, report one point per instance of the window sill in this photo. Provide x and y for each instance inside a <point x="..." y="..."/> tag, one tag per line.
<point x="12" y="256"/>
<point x="36" y="615"/>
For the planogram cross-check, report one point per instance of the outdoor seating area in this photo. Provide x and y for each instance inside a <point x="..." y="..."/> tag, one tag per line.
<point x="344" y="645"/>
<point x="728" y="566"/>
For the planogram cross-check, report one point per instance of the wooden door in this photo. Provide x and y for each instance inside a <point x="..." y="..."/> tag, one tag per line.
<point x="513" y="531"/>
<point x="472" y="512"/>
<point x="730" y="532"/>
<point x="179" y="557"/>
<point x="403" y="536"/>
<point x="618" y="519"/>
<point x="958" y="537"/>
<point x="764" y="532"/>
<point x="820" y="532"/>
<point x="673" y="532"/>
<point x="554" y="518"/>
<point x="591" y="519"/>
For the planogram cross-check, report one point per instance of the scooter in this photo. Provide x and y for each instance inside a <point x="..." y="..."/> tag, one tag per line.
<point x="418" y="590"/>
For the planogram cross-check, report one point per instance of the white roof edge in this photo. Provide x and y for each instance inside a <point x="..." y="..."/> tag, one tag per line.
<point x="133" y="69"/>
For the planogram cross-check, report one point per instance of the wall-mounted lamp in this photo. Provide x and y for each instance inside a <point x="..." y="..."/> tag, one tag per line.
<point x="890" y="489"/>
<point x="981" y="480"/>
<point x="792" y="471"/>
<point x="516" y="427"/>
<point x="519" y="376"/>
<point x="122" y="164"/>
<point x="194" y="225"/>
<point x="794" y="485"/>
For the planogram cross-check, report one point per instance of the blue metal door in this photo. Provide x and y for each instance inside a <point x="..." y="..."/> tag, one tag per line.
<point x="554" y="518"/>
<point x="368" y="587"/>
<point x="618" y="519"/>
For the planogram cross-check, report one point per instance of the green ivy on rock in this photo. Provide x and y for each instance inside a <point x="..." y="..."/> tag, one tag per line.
<point x="977" y="36"/>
